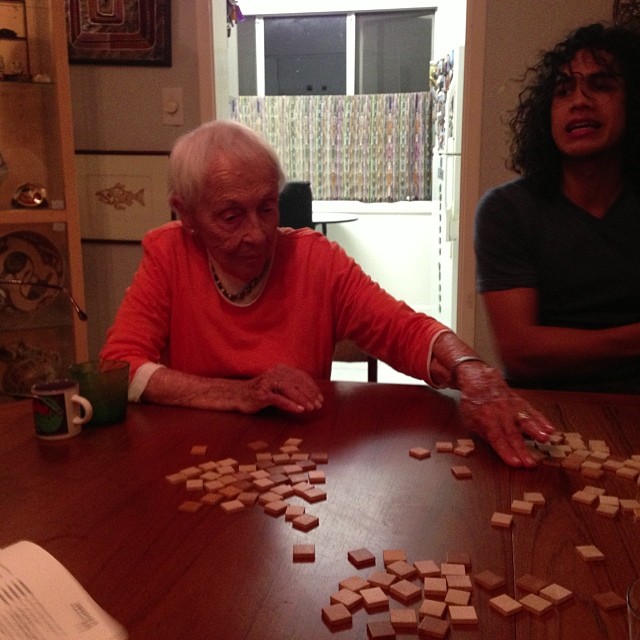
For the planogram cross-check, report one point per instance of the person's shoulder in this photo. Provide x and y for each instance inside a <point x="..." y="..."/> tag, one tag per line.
<point x="165" y="233"/>
<point x="297" y="237"/>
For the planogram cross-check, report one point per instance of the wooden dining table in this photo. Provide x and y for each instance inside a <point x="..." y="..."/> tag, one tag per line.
<point x="102" y="505"/>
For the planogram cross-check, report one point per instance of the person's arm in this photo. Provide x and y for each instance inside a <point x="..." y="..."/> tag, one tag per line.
<point x="528" y="350"/>
<point x="487" y="404"/>
<point x="283" y="387"/>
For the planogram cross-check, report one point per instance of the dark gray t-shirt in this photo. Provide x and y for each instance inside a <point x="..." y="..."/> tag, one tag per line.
<point x="586" y="270"/>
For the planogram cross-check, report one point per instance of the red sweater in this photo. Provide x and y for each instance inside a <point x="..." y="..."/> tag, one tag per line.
<point x="315" y="295"/>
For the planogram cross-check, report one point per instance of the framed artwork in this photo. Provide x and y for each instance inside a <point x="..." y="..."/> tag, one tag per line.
<point x="126" y="32"/>
<point x="121" y="195"/>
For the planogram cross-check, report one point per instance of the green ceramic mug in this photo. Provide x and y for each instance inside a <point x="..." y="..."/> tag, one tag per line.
<point x="105" y="383"/>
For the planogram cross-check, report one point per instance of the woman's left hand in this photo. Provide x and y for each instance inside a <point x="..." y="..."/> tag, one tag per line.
<point x="498" y="414"/>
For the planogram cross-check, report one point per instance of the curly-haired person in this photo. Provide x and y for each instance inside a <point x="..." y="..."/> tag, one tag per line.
<point x="558" y="249"/>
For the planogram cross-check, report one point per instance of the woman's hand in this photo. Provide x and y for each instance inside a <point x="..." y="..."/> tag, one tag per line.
<point x="283" y="387"/>
<point x="494" y="411"/>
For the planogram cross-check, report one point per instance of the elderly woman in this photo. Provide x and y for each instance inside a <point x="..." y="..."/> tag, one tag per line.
<point x="228" y="311"/>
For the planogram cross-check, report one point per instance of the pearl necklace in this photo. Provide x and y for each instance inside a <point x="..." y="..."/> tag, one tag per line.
<point x="243" y="293"/>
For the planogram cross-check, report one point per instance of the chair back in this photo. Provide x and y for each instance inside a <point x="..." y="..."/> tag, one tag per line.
<point x="295" y="204"/>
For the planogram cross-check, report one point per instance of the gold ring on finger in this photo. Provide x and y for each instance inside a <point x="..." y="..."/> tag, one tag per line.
<point x="523" y="415"/>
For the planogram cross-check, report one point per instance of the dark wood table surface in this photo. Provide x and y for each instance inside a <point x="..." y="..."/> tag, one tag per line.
<point x="100" y="503"/>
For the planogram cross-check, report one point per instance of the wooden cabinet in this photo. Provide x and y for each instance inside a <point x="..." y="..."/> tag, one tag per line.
<point x="41" y="332"/>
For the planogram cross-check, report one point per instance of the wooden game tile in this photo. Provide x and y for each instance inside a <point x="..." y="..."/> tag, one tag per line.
<point x="313" y="495"/>
<point x="584" y="497"/>
<point x="451" y="569"/>
<point x="573" y="462"/>
<point x="435" y="587"/>
<point x="259" y="474"/>
<point x="505" y="605"/>
<point x="176" y="478"/>
<point x="316" y="477"/>
<point x="305" y="522"/>
<point x="232" y="506"/>
<point x="210" y="475"/>
<point x="502" y="520"/>
<point x="463" y="614"/>
<point x="465" y="442"/>
<point x="226" y="480"/>
<point x="300" y="456"/>
<point x="264" y="465"/>
<point x="374" y="599"/>
<point x="194" y="484"/>
<point x="291" y="469"/>
<point x="354" y="583"/>
<point x="420" y="453"/>
<point x="591" y="473"/>
<point x="289" y="449"/>
<point x="293" y="511"/>
<point x="612" y="465"/>
<point x="248" y="498"/>
<point x="189" y="506"/>
<point x="612" y="501"/>
<point x="191" y="472"/>
<point x="607" y="510"/>
<point x="598" y="445"/>
<point x="598" y="491"/>
<point x="457" y="597"/>
<point x="535" y="604"/>
<point x="405" y="591"/>
<point x="257" y="445"/>
<point x="283" y="490"/>
<point x="380" y="630"/>
<point x="336" y="615"/>
<point x="263" y="484"/>
<point x="461" y="472"/>
<point x="264" y="456"/>
<point x="348" y="598"/>
<point x="209" y="465"/>
<point x="530" y="583"/>
<point x="629" y="505"/>
<point x="599" y="456"/>
<point x="292" y="442"/>
<point x="279" y="479"/>
<point x="459" y="557"/>
<point x="434" y="608"/>
<point x="225" y="470"/>
<point x="427" y="568"/>
<point x="534" y="497"/>
<point x="306" y="465"/>
<point x="433" y="628"/>
<point x="276" y="508"/>
<point x="300" y="487"/>
<point x="199" y="450"/>
<point x="247" y="468"/>
<point x="403" y="619"/>
<point x="212" y="498"/>
<point x="444" y="447"/>
<point x="402" y="569"/>
<point x="463" y="452"/>
<point x="299" y="478"/>
<point x="609" y="601"/>
<point x="521" y="507"/>
<point x="590" y="553"/>
<point x="392" y="555"/>
<point x="489" y="580"/>
<point x="268" y="496"/>
<point x="360" y="558"/>
<point x="628" y="473"/>
<point x="319" y="457"/>
<point x="632" y="462"/>
<point x="382" y="579"/>
<point x="556" y="593"/>
<point x="213" y="485"/>
<point x="227" y="462"/>
<point x="230" y="492"/>
<point x="459" y="582"/>
<point x="304" y="552"/>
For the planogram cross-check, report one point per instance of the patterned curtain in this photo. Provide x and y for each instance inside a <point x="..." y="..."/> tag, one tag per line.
<point x="373" y="148"/>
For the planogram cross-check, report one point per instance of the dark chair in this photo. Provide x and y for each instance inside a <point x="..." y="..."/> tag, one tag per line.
<point x="295" y="204"/>
<point x="349" y="351"/>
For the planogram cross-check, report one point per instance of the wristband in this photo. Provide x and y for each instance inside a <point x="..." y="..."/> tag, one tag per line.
<point x="458" y="361"/>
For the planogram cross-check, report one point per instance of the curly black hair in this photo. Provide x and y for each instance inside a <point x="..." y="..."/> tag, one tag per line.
<point x="533" y="151"/>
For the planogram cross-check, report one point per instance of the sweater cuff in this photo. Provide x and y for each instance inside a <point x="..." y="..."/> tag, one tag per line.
<point x="140" y="379"/>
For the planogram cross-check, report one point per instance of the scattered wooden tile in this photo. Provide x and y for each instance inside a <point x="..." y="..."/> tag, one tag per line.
<point x="199" y="450"/>
<point x="629" y="505"/>
<point x="275" y="508"/>
<point x="176" y="478"/>
<point x="609" y="601"/>
<point x="380" y="630"/>
<point x="403" y="619"/>
<point x="461" y="472"/>
<point x="433" y="628"/>
<point x="444" y="447"/>
<point x="584" y="497"/>
<point x="435" y="587"/>
<point x="348" y="598"/>
<point x="535" y="497"/>
<point x="257" y="445"/>
<point x="382" y="579"/>
<point x="489" y="580"/>
<point x="314" y="495"/>
<point x="459" y="557"/>
<point x="232" y="506"/>
<point x="189" y="506"/>
<point x="316" y="477"/>
<point x="229" y="492"/>
<point x="304" y="552"/>
<point x="429" y="567"/>
<point x="209" y="465"/>
<point x="521" y="507"/>
<point x="336" y="615"/>
<point x="305" y="522"/>
<point x="319" y="457"/>
<point x="463" y="614"/>
<point x="212" y="498"/>
<point x="459" y="582"/>
<point x="607" y="510"/>
<point x="457" y="597"/>
<point x="530" y="583"/>
<point x="451" y="569"/>
<point x="354" y="583"/>
<point x="292" y="442"/>
<point x="374" y="599"/>
<point x="590" y="553"/>
<point x="598" y="491"/>
<point x="502" y="520"/>
<point x="391" y="555"/>
<point x="434" y="608"/>
<point x="463" y="452"/>
<point x="628" y="473"/>
<point x="360" y="558"/>
<point x="505" y="605"/>
<point x="556" y="593"/>
<point x="405" y="591"/>
<point x="420" y="453"/>
<point x="191" y="472"/>
<point x="535" y="604"/>
<point x="268" y="496"/>
<point x="402" y="569"/>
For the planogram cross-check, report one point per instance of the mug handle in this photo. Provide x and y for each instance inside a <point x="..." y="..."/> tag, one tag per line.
<point x="86" y="407"/>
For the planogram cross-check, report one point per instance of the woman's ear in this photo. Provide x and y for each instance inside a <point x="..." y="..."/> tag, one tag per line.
<point x="181" y="211"/>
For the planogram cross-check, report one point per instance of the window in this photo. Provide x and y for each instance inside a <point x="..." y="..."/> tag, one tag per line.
<point x="337" y="54"/>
